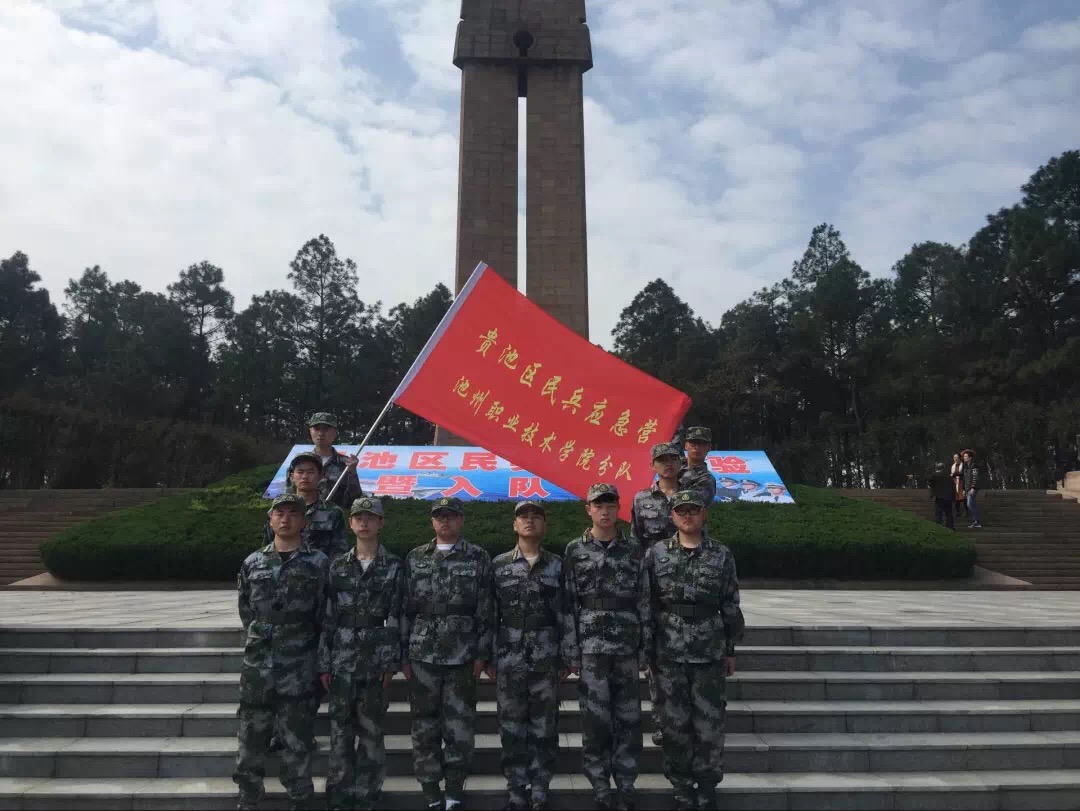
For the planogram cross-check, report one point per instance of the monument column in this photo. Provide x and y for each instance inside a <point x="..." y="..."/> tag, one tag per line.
<point x="556" y="257"/>
<point x="487" y="228"/>
<point x="537" y="49"/>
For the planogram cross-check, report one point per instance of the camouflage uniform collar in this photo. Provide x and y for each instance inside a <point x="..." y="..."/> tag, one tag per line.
<point x="707" y="542"/>
<point x="304" y="547"/>
<point x="460" y="546"/>
<point x="655" y="489"/>
<point x="544" y="554"/>
<point x="380" y="552"/>
<point x="588" y="538"/>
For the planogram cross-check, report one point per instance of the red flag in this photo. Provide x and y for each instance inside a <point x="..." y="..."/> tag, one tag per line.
<point x="506" y="376"/>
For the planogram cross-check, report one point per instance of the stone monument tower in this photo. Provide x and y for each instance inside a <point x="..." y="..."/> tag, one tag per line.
<point x="536" y="49"/>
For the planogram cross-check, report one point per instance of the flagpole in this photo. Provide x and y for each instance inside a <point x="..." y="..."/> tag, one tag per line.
<point x="371" y="430"/>
<point x="459" y="300"/>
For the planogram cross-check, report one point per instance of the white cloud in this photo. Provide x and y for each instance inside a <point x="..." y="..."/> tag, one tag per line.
<point x="151" y="134"/>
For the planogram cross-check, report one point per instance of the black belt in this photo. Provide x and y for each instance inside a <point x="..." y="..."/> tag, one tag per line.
<point x="609" y="603"/>
<point x="530" y="623"/>
<point x="286" y="617"/>
<point x="692" y="611"/>
<point x="359" y="622"/>
<point x="445" y="610"/>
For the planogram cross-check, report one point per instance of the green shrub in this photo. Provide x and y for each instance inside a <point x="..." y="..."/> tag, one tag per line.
<point x="206" y="535"/>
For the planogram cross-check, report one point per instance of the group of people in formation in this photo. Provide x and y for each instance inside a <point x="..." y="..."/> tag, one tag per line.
<point x="332" y="618"/>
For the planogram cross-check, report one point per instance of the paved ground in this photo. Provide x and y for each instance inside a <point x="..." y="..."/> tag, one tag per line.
<point x="217" y="609"/>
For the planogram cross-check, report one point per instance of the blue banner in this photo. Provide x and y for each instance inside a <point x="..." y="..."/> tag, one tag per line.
<point x="425" y="471"/>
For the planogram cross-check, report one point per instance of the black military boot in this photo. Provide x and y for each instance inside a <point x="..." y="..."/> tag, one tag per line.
<point x="433" y="796"/>
<point x="455" y="797"/>
<point x="706" y="798"/>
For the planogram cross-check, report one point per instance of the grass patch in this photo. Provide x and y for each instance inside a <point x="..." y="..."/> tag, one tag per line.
<point x="205" y="535"/>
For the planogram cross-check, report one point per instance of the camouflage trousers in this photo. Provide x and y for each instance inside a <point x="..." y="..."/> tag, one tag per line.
<point x="294" y="722"/>
<point x="357" y="768"/>
<point x="528" y="705"/>
<point x="443" y="701"/>
<point x="692" y="711"/>
<point x="654" y="698"/>
<point x="610" y="722"/>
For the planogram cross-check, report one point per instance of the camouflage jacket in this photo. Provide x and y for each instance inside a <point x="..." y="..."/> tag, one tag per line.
<point x="699" y="478"/>
<point x="529" y="611"/>
<point x="650" y="516"/>
<point x="695" y="600"/>
<point x="363" y="632"/>
<point x="607" y="596"/>
<point x="281" y="607"/>
<point x="448" y="604"/>
<point x="326" y="530"/>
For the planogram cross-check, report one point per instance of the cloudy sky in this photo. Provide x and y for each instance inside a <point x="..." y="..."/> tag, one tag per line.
<point x="145" y="135"/>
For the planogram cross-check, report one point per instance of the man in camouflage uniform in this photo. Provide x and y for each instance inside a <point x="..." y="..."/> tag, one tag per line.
<point x="448" y="620"/>
<point x="528" y="629"/>
<point x="696" y="474"/>
<point x="650" y="521"/>
<point x="695" y="601"/>
<point x="282" y="598"/>
<point x="609" y="632"/>
<point x="326" y="529"/>
<point x="322" y="428"/>
<point x="361" y="648"/>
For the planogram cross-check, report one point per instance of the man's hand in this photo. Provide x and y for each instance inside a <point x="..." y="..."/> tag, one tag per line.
<point x="386" y="679"/>
<point x="566" y="672"/>
<point x="325" y="679"/>
<point x="491" y="672"/>
<point x="478" y="668"/>
<point x="729" y="665"/>
<point x="406" y="669"/>
<point x="351" y="461"/>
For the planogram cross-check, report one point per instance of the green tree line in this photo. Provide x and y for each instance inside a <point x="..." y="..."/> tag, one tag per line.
<point x="845" y="379"/>
<point x="853" y="381"/>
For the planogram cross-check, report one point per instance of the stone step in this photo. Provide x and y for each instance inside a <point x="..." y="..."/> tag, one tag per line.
<point x="219" y="720"/>
<point x="1045" y="788"/>
<point x="750" y="657"/>
<point x="152" y="757"/>
<point x="786" y="635"/>
<point x="221" y="688"/>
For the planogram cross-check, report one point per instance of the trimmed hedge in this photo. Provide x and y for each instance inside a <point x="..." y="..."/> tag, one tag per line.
<point x="206" y="535"/>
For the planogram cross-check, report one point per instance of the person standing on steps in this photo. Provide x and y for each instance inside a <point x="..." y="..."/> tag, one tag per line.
<point x="957" y="473"/>
<point x="942" y="489"/>
<point x="694" y="591"/>
<point x="650" y="521"/>
<point x="608" y="605"/>
<point x="281" y="600"/>
<point x="529" y="651"/>
<point x="325" y="529"/>
<point x="448" y="621"/>
<point x="323" y="430"/>
<point x="971" y="487"/>
<point x="361" y="648"/>
<point x="696" y="474"/>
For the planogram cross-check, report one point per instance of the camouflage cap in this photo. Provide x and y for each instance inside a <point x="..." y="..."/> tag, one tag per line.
<point x="698" y="433"/>
<point x="290" y="500"/>
<point x="306" y="456"/>
<point x="536" y="505"/>
<point x="448" y="503"/>
<point x="322" y="418"/>
<point x="366" y="505"/>
<point x="691" y="497"/>
<point x="665" y="449"/>
<point x="602" y="489"/>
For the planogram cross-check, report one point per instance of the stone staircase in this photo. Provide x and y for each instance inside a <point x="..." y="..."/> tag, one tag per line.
<point x="1029" y="534"/>
<point x="819" y="717"/>
<point x="28" y="517"/>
